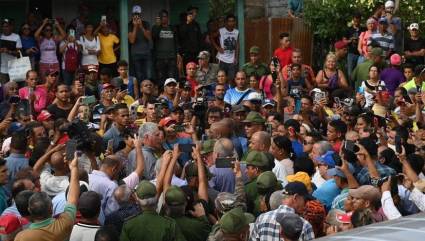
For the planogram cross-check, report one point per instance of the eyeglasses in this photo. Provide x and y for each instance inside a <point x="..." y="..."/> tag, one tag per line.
<point x="307" y="143"/>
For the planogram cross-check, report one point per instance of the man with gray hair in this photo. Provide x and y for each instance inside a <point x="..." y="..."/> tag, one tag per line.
<point x="224" y="179"/>
<point x="149" y="225"/>
<point x="319" y="149"/>
<point x="152" y="142"/>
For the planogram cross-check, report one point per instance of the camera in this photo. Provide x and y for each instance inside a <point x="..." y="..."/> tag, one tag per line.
<point x="295" y="93"/>
<point x="81" y="139"/>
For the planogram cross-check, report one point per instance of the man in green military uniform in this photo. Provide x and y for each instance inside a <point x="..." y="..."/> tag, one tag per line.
<point x="254" y="67"/>
<point x="149" y="225"/>
<point x="235" y="224"/>
<point x="193" y="228"/>
<point x="256" y="163"/>
<point x="361" y="72"/>
<point x="267" y="183"/>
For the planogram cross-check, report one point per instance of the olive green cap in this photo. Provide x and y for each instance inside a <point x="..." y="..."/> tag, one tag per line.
<point x="377" y="52"/>
<point x="145" y="190"/>
<point x="207" y="146"/>
<point x="257" y="158"/>
<point x="254" y="50"/>
<point x="254" y="117"/>
<point x="191" y="170"/>
<point x="266" y="180"/>
<point x="175" y="196"/>
<point x="235" y="221"/>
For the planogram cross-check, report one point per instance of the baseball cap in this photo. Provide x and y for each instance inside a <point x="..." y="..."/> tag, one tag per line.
<point x="336" y="171"/>
<point x="92" y="68"/>
<point x="204" y="55"/>
<point x="383" y="20"/>
<point x="44" y="116"/>
<point x="175" y="196"/>
<point x="291" y="224"/>
<point x="299" y="188"/>
<point x="254" y="96"/>
<point x="145" y="190"/>
<point x="340" y="44"/>
<point x="266" y="180"/>
<point x="166" y="121"/>
<point x="235" y="220"/>
<point x="327" y="159"/>
<point x="413" y="26"/>
<point x="239" y="108"/>
<point x="207" y="146"/>
<point x="344" y="217"/>
<point x="268" y="102"/>
<point x="300" y="177"/>
<point x="389" y="4"/>
<point x="137" y="9"/>
<point x="367" y="192"/>
<point x="107" y="86"/>
<point x="395" y="59"/>
<point x="170" y="80"/>
<point x="377" y="51"/>
<point x="254" y="50"/>
<point x="254" y="117"/>
<point x="257" y="158"/>
<point x="10" y="223"/>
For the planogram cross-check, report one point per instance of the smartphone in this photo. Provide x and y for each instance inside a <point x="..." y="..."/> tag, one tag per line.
<point x="398" y="146"/>
<point x="337" y="159"/>
<point x="186" y="148"/>
<point x="337" y="101"/>
<point x="103" y="18"/>
<point x="72" y="32"/>
<point x="110" y="146"/>
<point x="361" y="90"/>
<point x="225" y="162"/>
<point x="133" y="112"/>
<point x="51" y="21"/>
<point x="318" y="96"/>
<point x="351" y="146"/>
<point x="81" y="77"/>
<point x="88" y="100"/>
<point x="14" y="99"/>
<point x="269" y="128"/>
<point x="381" y="181"/>
<point x="179" y="128"/>
<point x="70" y="149"/>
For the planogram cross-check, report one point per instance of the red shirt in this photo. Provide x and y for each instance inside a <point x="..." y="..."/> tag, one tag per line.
<point x="284" y="56"/>
<point x="193" y="84"/>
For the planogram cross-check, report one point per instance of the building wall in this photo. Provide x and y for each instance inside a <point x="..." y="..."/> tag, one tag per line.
<point x="266" y="8"/>
<point x="277" y="8"/>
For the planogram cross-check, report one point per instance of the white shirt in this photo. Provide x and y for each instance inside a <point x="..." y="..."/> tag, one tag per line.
<point x="368" y="94"/>
<point x="51" y="184"/>
<point x="228" y="41"/>
<point x="282" y="169"/>
<point x="6" y="57"/>
<point x="94" y="44"/>
<point x="317" y="179"/>
<point x="418" y="198"/>
<point x="83" y="232"/>
<point x="390" y="210"/>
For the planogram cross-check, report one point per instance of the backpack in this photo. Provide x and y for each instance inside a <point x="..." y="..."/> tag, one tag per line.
<point x="71" y="59"/>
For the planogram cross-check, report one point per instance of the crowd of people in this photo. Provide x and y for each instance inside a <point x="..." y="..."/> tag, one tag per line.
<point x="182" y="144"/>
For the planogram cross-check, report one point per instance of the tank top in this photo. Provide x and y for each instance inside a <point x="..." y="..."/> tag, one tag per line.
<point x="228" y="41"/>
<point x="48" y="51"/>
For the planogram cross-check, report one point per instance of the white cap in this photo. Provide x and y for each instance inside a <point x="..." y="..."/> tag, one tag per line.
<point x="254" y="96"/>
<point x="414" y="26"/>
<point x="137" y="9"/>
<point x="389" y="4"/>
<point x="170" y="80"/>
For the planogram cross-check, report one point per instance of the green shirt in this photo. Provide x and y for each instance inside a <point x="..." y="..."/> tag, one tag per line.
<point x="150" y="226"/>
<point x="259" y="70"/>
<point x="361" y="73"/>
<point x="195" y="229"/>
<point x="251" y="194"/>
<point x="412" y="85"/>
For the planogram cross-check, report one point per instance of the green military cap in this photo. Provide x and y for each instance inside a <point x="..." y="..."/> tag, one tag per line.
<point x="191" y="170"/>
<point x="145" y="190"/>
<point x="254" y="50"/>
<point x="254" y="117"/>
<point x="175" y="196"/>
<point x="235" y="221"/>
<point x="207" y="146"/>
<point x="257" y="158"/>
<point x="377" y="51"/>
<point x="266" y="180"/>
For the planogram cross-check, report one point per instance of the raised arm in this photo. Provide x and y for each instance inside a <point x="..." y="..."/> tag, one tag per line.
<point x="62" y="34"/>
<point x="37" y="34"/>
<point x="140" y="159"/>
<point x="38" y="166"/>
<point x="74" y="186"/>
<point x="160" y="178"/>
<point x="74" y="110"/>
<point x="202" y="176"/>
<point x="170" y="169"/>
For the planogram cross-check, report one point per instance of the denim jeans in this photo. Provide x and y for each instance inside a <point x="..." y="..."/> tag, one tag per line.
<point x="165" y="68"/>
<point x="142" y="66"/>
<point x="351" y="63"/>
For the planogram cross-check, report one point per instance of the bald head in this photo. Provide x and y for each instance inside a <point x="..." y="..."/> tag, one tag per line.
<point x="260" y="141"/>
<point x="122" y="194"/>
<point x="57" y="162"/>
<point x="224" y="148"/>
<point x="220" y="129"/>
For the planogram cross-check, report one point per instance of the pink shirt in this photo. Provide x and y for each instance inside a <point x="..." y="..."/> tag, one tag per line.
<point x="41" y="97"/>
<point x="266" y="85"/>
<point x="48" y="51"/>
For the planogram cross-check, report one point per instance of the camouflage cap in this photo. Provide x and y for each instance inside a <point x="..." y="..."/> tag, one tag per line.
<point x="235" y="221"/>
<point x="207" y="146"/>
<point x="175" y="196"/>
<point x="145" y="190"/>
<point x="266" y="180"/>
<point x="254" y="117"/>
<point x="257" y="158"/>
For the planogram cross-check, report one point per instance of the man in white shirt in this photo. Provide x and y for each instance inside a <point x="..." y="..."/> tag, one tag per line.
<point x="9" y="46"/>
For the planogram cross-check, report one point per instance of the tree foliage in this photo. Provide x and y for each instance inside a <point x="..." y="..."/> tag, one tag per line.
<point x="221" y="7"/>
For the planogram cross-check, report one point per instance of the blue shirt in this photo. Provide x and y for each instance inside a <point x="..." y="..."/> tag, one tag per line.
<point x="102" y="184"/>
<point x="363" y="177"/>
<point x="58" y="203"/>
<point x="223" y="180"/>
<point x="233" y="96"/>
<point x="15" y="163"/>
<point x="298" y="148"/>
<point x="113" y="134"/>
<point x="326" y="193"/>
<point x="184" y="157"/>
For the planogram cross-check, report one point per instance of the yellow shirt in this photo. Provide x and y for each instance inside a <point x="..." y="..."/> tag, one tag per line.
<point x="107" y="55"/>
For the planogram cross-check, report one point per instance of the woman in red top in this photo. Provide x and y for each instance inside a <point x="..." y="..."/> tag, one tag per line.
<point x="191" y="76"/>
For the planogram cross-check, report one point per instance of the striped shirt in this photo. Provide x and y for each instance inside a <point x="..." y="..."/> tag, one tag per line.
<point x="233" y="95"/>
<point x="266" y="228"/>
<point x="385" y="41"/>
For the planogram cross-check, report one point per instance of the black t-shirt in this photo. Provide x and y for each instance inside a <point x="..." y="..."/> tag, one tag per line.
<point x="353" y="33"/>
<point x="58" y="112"/>
<point x="414" y="45"/>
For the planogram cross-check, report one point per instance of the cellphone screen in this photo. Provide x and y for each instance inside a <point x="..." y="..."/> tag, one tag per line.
<point x="226" y="162"/>
<point x="187" y="148"/>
